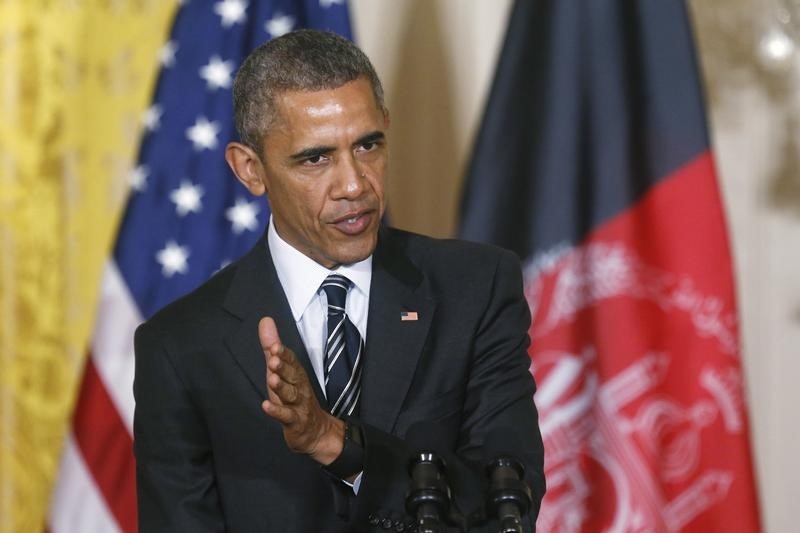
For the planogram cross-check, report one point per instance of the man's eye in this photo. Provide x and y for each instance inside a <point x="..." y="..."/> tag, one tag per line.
<point x="315" y="160"/>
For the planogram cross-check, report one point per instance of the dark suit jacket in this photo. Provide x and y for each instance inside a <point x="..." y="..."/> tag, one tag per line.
<point x="208" y="458"/>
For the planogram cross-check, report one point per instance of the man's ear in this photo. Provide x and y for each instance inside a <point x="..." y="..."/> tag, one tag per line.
<point x="247" y="166"/>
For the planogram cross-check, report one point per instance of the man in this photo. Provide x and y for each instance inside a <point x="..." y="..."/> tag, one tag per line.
<point x="290" y="391"/>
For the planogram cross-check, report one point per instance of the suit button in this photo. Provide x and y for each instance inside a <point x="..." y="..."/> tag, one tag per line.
<point x="387" y="524"/>
<point x="373" y="520"/>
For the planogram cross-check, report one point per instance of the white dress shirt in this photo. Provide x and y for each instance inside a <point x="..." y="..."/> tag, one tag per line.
<point x="301" y="278"/>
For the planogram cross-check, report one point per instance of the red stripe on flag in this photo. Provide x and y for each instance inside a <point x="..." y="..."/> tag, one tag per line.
<point x="107" y="448"/>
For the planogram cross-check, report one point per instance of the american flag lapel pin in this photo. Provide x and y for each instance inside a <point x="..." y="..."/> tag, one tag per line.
<point x="408" y="316"/>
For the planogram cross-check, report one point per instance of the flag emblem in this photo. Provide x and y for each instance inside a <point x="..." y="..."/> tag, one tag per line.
<point x="409" y="316"/>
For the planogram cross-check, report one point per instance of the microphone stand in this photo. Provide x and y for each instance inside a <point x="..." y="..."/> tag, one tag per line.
<point x="428" y="496"/>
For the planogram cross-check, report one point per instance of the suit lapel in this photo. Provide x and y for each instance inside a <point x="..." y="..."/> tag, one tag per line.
<point x="256" y="292"/>
<point x="393" y="345"/>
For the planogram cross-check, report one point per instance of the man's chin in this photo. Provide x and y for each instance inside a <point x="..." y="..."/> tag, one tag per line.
<point x="354" y="252"/>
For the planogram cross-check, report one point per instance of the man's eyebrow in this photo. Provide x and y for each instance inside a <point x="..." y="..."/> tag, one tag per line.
<point x="371" y="137"/>
<point x="316" y="151"/>
<point x="311" y="152"/>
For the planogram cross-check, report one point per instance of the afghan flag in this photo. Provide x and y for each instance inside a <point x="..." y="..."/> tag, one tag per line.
<point x="593" y="164"/>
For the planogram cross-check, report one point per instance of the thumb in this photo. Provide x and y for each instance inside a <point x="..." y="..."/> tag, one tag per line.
<point x="268" y="333"/>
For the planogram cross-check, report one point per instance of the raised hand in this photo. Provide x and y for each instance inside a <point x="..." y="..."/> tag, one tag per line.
<point x="307" y="427"/>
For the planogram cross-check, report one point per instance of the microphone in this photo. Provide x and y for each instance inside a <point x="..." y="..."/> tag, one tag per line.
<point x="428" y="497"/>
<point x="509" y="497"/>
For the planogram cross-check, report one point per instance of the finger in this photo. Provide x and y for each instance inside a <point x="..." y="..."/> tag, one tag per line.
<point x="268" y="335"/>
<point x="287" y="393"/>
<point x="282" y="414"/>
<point x="286" y="364"/>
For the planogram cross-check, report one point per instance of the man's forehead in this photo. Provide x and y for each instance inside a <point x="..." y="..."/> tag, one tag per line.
<point x="358" y="89"/>
<point x="326" y="108"/>
<point x="353" y="100"/>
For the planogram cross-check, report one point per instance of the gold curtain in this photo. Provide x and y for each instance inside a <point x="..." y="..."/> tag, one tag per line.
<point x="75" y="77"/>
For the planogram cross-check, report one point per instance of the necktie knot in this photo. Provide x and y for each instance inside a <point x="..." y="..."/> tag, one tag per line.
<point x="336" y="287"/>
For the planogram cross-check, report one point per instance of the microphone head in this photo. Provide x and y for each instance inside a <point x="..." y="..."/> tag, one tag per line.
<point x="506" y="462"/>
<point x="509" y="494"/>
<point x="428" y="496"/>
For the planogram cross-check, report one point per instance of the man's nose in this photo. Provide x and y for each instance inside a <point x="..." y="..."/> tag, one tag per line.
<point x="351" y="179"/>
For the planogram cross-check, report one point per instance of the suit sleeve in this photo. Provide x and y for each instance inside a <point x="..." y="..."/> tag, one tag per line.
<point x="174" y="471"/>
<point x="499" y="396"/>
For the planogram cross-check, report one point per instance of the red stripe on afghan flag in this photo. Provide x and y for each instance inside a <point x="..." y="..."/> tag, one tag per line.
<point x="636" y="354"/>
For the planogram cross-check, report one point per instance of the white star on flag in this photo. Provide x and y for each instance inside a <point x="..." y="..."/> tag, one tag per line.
<point x="173" y="259"/>
<point x="243" y="216"/>
<point x="217" y="73"/>
<point x="166" y="55"/>
<point x="187" y="198"/>
<point x="279" y="25"/>
<point x="329" y="3"/>
<point x="231" y="12"/>
<point x="137" y="178"/>
<point x="152" y="117"/>
<point x="203" y="134"/>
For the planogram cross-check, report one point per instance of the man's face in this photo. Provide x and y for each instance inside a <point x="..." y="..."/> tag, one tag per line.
<point x="325" y="160"/>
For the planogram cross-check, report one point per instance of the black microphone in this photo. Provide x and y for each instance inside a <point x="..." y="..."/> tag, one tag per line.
<point x="428" y="497"/>
<point x="509" y="497"/>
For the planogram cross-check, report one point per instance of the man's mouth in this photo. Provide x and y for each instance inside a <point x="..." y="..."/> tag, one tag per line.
<point x="354" y="223"/>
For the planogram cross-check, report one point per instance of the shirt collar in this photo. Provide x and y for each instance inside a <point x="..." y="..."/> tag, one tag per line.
<point x="301" y="276"/>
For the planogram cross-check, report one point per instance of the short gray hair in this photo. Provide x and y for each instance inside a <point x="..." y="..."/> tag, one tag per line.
<point x="302" y="60"/>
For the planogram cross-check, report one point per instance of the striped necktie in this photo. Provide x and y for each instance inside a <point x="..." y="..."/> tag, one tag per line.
<point x="344" y="348"/>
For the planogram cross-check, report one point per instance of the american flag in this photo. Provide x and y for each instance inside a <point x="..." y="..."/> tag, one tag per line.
<point x="187" y="217"/>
